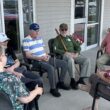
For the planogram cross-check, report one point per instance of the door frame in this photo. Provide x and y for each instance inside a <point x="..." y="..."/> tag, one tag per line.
<point x="20" y="15"/>
<point x="85" y="20"/>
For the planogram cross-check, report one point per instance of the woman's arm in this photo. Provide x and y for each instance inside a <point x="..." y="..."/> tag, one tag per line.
<point x="17" y="64"/>
<point x="11" y="69"/>
<point x="32" y="95"/>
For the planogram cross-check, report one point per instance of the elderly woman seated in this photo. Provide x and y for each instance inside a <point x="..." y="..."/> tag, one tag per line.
<point x="13" y="86"/>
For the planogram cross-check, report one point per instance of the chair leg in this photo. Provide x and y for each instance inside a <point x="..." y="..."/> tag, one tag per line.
<point x="36" y="102"/>
<point x="95" y="68"/>
<point x="58" y="71"/>
<point x="26" y="107"/>
<point x="36" y="105"/>
<point x="94" y="101"/>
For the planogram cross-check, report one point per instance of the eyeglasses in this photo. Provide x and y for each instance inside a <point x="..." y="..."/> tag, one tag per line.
<point x="37" y="30"/>
<point x="64" y="29"/>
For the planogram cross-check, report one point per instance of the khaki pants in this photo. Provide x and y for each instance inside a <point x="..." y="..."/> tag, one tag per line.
<point x="82" y="61"/>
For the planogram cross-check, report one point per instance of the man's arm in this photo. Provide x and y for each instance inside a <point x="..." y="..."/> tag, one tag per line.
<point x="32" y="57"/>
<point x="56" y="47"/>
<point x="76" y="45"/>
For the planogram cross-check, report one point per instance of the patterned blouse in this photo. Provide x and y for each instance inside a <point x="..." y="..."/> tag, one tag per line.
<point x="12" y="86"/>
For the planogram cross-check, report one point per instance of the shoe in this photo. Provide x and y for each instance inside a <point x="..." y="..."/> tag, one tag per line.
<point x="61" y="85"/>
<point x="73" y="84"/>
<point x="81" y="81"/>
<point x="55" y="92"/>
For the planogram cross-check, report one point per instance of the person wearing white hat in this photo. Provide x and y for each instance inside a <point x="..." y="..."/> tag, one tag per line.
<point x="13" y="66"/>
<point x="3" y="37"/>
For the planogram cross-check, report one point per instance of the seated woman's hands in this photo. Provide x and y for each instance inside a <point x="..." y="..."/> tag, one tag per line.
<point x="11" y="70"/>
<point x="17" y="74"/>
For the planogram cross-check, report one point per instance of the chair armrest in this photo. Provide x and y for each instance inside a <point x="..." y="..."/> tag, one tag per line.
<point x="100" y="82"/>
<point x="103" y="83"/>
<point x="52" y="54"/>
<point x="99" y="53"/>
<point x="28" y="66"/>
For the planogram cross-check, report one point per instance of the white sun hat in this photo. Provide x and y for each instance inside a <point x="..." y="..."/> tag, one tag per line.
<point x="3" y="37"/>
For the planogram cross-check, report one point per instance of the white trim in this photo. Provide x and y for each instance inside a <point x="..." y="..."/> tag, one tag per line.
<point x="34" y="10"/>
<point x="84" y="46"/>
<point x="92" y="24"/>
<point x="91" y="46"/>
<point x="2" y="18"/>
<point x="21" y="24"/>
<point x="72" y="17"/>
<point x="82" y="20"/>
<point x="101" y="23"/>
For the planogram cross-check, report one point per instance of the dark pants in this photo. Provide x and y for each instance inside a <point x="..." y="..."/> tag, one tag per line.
<point x="30" y="77"/>
<point x="50" y="67"/>
<point x="31" y="80"/>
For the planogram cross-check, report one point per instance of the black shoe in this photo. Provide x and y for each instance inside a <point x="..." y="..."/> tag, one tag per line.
<point x="61" y="85"/>
<point x="81" y="81"/>
<point x="73" y="84"/>
<point x="55" y="92"/>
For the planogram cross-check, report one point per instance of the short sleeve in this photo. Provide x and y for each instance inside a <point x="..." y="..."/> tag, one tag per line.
<point x="20" y="88"/>
<point x="25" y="45"/>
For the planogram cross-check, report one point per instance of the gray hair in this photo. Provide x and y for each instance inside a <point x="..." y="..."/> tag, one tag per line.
<point x="2" y="50"/>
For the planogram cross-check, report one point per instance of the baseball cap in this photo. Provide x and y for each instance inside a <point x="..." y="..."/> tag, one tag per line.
<point x="34" y="26"/>
<point x="3" y="37"/>
<point x="63" y="26"/>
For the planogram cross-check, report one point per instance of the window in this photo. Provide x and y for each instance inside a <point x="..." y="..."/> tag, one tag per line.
<point x="80" y="29"/>
<point x="79" y="9"/>
<point x="93" y="11"/>
<point x="92" y="35"/>
<point x="27" y="15"/>
<point x="11" y="18"/>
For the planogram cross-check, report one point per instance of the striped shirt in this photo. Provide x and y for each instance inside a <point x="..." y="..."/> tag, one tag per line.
<point x="34" y="46"/>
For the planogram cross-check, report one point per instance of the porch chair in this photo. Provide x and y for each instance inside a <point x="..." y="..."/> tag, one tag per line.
<point x="5" y="102"/>
<point x="28" y="64"/>
<point x="102" y="90"/>
<point x="50" y="45"/>
<point x="99" y="53"/>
